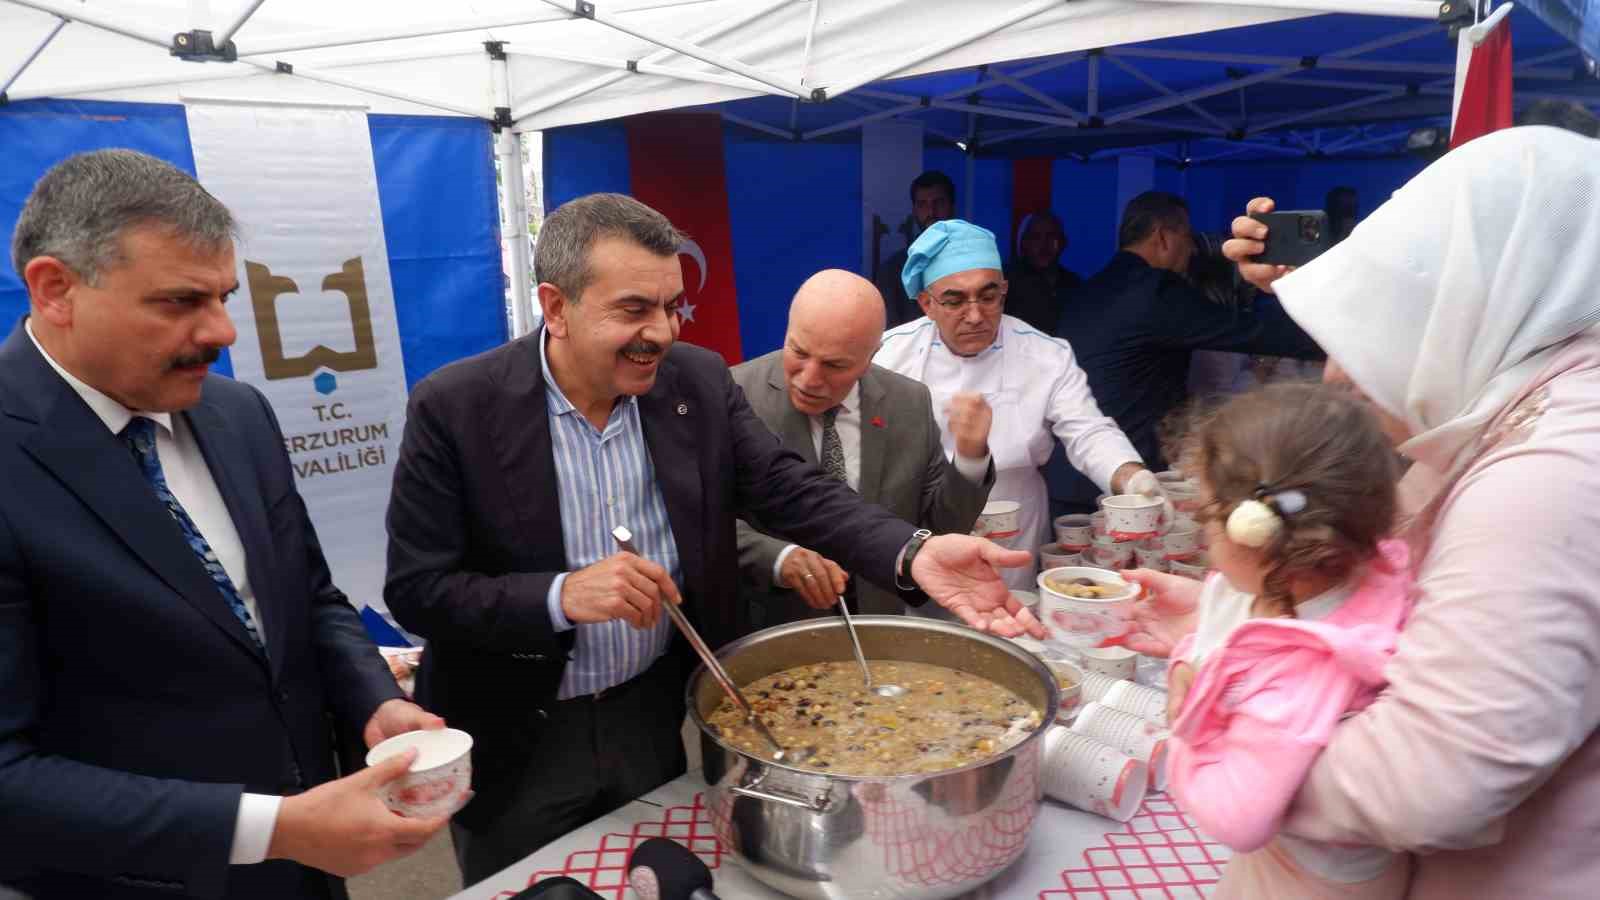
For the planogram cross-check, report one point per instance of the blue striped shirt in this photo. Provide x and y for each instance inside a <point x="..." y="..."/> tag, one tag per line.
<point x="605" y="479"/>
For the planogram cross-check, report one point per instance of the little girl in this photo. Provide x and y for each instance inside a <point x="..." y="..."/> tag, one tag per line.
<point x="1295" y="626"/>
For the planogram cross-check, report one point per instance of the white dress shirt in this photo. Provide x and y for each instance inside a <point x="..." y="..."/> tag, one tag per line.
<point x="848" y="424"/>
<point x="189" y="479"/>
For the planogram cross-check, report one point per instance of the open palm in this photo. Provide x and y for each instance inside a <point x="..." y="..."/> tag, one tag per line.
<point x="961" y="573"/>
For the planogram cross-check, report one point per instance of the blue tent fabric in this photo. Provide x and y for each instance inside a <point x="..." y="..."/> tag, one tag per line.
<point x="435" y="183"/>
<point x="1576" y="20"/>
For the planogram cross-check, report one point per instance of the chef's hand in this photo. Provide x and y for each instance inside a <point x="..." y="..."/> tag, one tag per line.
<point x="621" y="586"/>
<point x="1248" y="242"/>
<point x="970" y="418"/>
<point x="1165" y="612"/>
<point x="819" y="579"/>
<point x="961" y="573"/>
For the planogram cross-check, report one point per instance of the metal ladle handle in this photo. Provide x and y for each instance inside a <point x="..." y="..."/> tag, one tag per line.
<point x="855" y="643"/>
<point x="624" y="539"/>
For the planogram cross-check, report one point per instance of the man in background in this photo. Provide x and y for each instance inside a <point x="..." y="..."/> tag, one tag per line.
<point x="933" y="199"/>
<point x="1039" y="285"/>
<point x="866" y="426"/>
<point x="1136" y="323"/>
<point x="1344" y="209"/>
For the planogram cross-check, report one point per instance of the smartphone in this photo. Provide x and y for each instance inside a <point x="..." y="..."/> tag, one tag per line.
<point x="1294" y="237"/>
<point x="560" y="888"/>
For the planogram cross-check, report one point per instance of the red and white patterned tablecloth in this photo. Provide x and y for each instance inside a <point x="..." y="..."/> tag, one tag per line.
<point x="1071" y="855"/>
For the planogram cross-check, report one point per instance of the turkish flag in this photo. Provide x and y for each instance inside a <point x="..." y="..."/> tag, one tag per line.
<point x="677" y="168"/>
<point x="1486" y="98"/>
<point x="1030" y="193"/>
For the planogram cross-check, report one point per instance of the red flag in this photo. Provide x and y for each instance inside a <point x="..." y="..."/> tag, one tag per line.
<point x="677" y="168"/>
<point x="1030" y="193"/>
<point x="1486" y="97"/>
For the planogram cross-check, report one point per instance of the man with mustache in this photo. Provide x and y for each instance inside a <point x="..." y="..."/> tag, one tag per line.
<point x="547" y="642"/>
<point x="172" y="648"/>
<point x="966" y="343"/>
<point x="868" y="427"/>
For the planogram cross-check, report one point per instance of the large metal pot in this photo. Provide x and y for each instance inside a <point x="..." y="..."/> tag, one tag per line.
<point x="814" y="835"/>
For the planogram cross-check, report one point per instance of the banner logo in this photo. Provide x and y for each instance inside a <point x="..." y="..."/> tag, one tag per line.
<point x="350" y="280"/>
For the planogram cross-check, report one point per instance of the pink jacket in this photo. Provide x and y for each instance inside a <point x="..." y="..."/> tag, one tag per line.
<point x="1264" y="704"/>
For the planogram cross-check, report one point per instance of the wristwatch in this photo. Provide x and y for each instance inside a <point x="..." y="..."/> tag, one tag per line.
<point x="902" y="576"/>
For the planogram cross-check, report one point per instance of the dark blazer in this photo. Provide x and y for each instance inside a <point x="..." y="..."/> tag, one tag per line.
<point x="903" y="469"/>
<point x="1134" y="329"/>
<point x="475" y="533"/>
<point x="134" y="708"/>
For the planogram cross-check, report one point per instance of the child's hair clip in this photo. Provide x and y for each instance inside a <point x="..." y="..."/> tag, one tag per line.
<point x="1253" y="524"/>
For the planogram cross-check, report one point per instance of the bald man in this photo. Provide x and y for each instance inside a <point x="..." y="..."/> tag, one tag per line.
<point x="866" y="426"/>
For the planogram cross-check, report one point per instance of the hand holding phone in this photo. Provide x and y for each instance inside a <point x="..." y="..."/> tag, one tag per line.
<point x="1294" y="237"/>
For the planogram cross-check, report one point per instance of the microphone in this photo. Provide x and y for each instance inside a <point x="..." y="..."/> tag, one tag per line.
<point x="661" y="869"/>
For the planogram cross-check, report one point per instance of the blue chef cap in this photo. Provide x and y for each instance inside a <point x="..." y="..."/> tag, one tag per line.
<point x="946" y="248"/>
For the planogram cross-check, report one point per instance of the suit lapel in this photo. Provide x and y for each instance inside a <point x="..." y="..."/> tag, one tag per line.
<point x="671" y="422"/>
<point x="794" y="427"/>
<point x="873" y="437"/>
<point x="75" y="446"/>
<point x="224" y="456"/>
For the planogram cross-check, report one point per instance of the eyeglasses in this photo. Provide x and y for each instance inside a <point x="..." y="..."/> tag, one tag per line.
<point x="987" y="300"/>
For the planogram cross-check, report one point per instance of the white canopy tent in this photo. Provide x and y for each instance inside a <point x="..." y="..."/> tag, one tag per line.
<point x="527" y="65"/>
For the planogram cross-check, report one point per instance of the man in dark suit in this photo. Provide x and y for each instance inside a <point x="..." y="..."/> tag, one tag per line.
<point x="933" y="199"/>
<point x="171" y="646"/>
<point x="866" y="426"/>
<point x="545" y="641"/>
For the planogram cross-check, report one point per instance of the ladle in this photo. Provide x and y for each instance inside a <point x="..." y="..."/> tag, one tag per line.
<point x="882" y="690"/>
<point x="790" y="755"/>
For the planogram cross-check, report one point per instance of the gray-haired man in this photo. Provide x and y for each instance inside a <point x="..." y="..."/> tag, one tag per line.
<point x="171" y="645"/>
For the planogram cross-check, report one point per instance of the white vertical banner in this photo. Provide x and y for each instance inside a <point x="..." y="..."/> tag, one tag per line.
<point x="315" y="311"/>
<point x="891" y="157"/>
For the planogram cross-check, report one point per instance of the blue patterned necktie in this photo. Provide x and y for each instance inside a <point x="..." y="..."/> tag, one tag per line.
<point x="832" y="447"/>
<point x="140" y="433"/>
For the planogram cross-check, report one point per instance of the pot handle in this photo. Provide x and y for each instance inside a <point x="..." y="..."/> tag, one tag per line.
<point x="818" y="804"/>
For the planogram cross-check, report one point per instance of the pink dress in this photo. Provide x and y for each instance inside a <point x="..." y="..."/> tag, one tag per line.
<point x="1481" y="755"/>
<point x="1262" y="706"/>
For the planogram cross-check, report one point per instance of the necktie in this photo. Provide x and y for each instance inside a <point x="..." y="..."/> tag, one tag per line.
<point x="832" y="449"/>
<point x="140" y="433"/>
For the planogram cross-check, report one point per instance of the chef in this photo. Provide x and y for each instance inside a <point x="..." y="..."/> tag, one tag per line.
<point x="965" y="342"/>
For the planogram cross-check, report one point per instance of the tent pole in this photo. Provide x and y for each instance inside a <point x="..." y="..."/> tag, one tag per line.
<point x="1093" y="101"/>
<point x="1026" y="11"/>
<point x="648" y="68"/>
<point x="1002" y="113"/>
<point x="1331" y="110"/>
<point x="994" y="77"/>
<point x="33" y="55"/>
<point x="76" y="13"/>
<point x="1024" y="88"/>
<point x="858" y="121"/>
<point x="762" y="127"/>
<point x="1159" y="104"/>
<point x="228" y="33"/>
<point x="320" y="39"/>
<point x="1195" y="108"/>
<point x="513" y="203"/>
<point x="577" y="8"/>
<point x="336" y="81"/>
<point x="524" y="110"/>
<point x="1405" y="9"/>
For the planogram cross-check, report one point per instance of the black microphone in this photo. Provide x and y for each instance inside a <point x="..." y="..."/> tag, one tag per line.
<point x="661" y="869"/>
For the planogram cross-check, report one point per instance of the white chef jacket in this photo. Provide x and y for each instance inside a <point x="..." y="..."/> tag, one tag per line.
<point x="1036" y="389"/>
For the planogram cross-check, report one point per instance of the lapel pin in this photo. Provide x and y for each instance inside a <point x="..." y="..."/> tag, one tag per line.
<point x="683" y="409"/>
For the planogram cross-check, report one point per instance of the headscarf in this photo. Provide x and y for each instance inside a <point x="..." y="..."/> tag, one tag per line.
<point x="946" y="248"/>
<point x="1451" y="297"/>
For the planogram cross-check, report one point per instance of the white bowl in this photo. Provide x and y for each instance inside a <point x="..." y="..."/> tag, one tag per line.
<point x="1084" y="621"/>
<point x="1131" y="517"/>
<point x="999" y="520"/>
<point x="440" y="777"/>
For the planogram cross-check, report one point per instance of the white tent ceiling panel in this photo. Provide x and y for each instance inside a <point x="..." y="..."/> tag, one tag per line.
<point x="852" y="37"/>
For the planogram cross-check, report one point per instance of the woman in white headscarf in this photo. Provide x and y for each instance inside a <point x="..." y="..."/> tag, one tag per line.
<point x="1465" y="309"/>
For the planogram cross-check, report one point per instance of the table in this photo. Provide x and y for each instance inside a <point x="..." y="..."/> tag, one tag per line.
<point x="1071" y="855"/>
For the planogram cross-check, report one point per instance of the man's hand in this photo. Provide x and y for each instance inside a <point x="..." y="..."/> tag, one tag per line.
<point x="1248" y="242"/>
<point x="343" y="828"/>
<point x="970" y="418"/>
<point x="818" y="579"/>
<point x="621" y="586"/>
<point x="397" y="716"/>
<point x="961" y="573"/>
